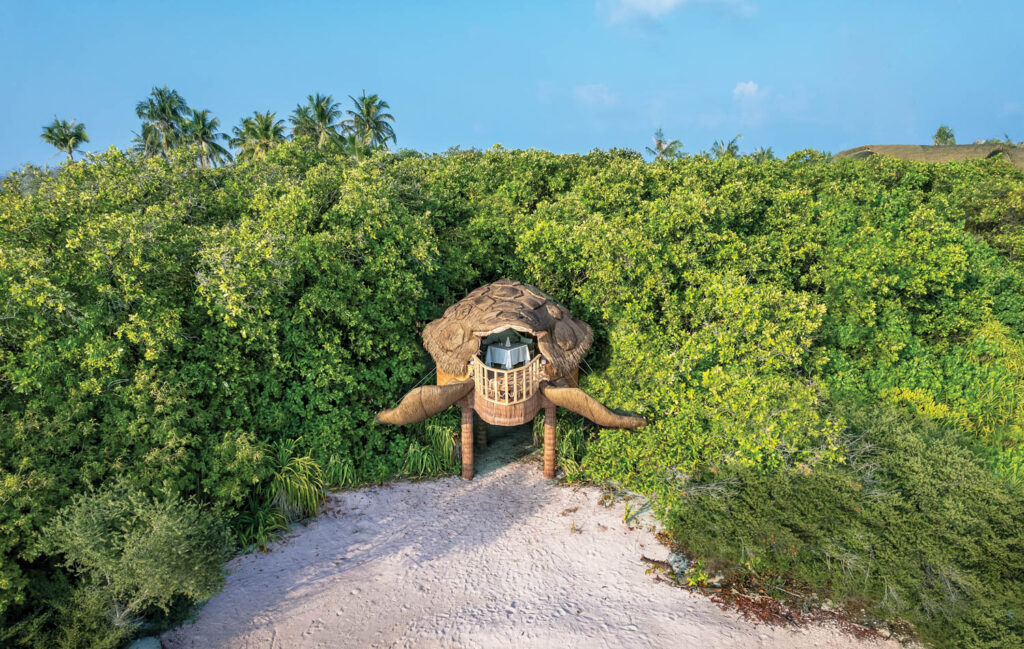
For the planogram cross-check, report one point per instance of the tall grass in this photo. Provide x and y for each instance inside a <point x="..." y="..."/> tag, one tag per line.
<point x="296" y="484"/>
<point x="292" y="489"/>
<point x="432" y="449"/>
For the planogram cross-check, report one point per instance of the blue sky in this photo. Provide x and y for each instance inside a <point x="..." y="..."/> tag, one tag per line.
<point x="561" y="76"/>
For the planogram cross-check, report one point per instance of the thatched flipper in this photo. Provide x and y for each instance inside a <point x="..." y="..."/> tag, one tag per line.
<point x="578" y="401"/>
<point x="425" y="402"/>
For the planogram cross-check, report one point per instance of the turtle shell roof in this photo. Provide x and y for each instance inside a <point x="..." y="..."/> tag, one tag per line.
<point x="454" y="338"/>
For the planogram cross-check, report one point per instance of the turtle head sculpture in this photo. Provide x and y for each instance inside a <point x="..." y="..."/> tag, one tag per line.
<point x="504" y="352"/>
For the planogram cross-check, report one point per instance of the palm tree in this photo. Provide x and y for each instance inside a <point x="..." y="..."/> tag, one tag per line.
<point x="257" y="135"/>
<point x="352" y="145"/>
<point x="369" y="121"/>
<point x="722" y="150"/>
<point x="148" y="141"/>
<point x="665" y="148"/>
<point x="164" y="110"/>
<point x="763" y="154"/>
<point x="65" y="135"/>
<point x="317" y="120"/>
<point x="201" y="130"/>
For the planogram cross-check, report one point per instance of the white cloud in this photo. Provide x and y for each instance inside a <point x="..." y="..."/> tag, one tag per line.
<point x="622" y="9"/>
<point x="595" y="95"/>
<point x="752" y="101"/>
<point x="653" y="8"/>
<point x="744" y="90"/>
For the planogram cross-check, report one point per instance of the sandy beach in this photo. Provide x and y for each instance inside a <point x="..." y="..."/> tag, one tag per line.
<point x="507" y="560"/>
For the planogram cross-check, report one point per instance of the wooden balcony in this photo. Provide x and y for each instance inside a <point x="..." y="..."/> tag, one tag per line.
<point x="507" y="387"/>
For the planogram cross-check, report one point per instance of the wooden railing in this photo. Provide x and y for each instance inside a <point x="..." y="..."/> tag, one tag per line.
<point x="507" y="387"/>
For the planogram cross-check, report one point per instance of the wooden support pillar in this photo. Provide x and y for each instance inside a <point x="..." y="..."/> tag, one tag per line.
<point x="549" y="441"/>
<point x="480" y="429"/>
<point x="467" y="442"/>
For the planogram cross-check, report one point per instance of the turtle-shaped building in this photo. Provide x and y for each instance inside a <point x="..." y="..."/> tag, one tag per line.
<point x="506" y="351"/>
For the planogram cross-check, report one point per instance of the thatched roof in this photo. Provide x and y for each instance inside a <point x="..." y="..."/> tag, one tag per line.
<point x="952" y="153"/>
<point x="454" y="338"/>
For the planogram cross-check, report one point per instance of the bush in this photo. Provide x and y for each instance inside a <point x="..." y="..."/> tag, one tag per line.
<point x="913" y="525"/>
<point x="134" y="555"/>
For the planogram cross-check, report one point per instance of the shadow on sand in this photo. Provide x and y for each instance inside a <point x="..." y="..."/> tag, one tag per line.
<point x="505" y="444"/>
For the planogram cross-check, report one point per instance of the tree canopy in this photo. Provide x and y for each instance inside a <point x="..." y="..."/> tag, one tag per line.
<point x="944" y="136"/>
<point x="201" y="129"/>
<point x="169" y="123"/>
<point x="163" y="114"/>
<point x="722" y="149"/>
<point x="318" y="119"/>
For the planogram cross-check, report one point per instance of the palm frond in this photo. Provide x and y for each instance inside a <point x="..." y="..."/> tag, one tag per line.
<point x="369" y="121"/>
<point x="164" y="111"/>
<point x="65" y="136"/>
<point x="256" y="135"/>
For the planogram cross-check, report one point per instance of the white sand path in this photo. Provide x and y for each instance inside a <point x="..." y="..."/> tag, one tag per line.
<point x="488" y="563"/>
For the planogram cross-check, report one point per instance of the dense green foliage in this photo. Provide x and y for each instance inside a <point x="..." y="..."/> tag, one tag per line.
<point x="911" y="525"/>
<point x="216" y="341"/>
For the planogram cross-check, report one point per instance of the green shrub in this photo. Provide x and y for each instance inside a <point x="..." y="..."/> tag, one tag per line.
<point x="134" y="554"/>
<point x="259" y="523"/>
<point x="912" y="524"/>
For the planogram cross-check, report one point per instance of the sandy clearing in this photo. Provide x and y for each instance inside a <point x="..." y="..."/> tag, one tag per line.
<point x="488" y="563"/>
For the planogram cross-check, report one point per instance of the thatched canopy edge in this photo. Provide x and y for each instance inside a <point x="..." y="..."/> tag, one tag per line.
<point x="928" y="153"/>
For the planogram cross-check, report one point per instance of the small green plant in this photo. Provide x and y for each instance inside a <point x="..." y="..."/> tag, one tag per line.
<point x="340" y="472"/>
<point x="1011" y="466"/>
<point x="419" y="461"/>
<point x="572" y="447"/>
<point x="259" y="523"/>
<point x="1005" y="458"/>
<point x="696" y="575"/>
<point x="292" y="488"/>
<point x="628" y="513"/>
